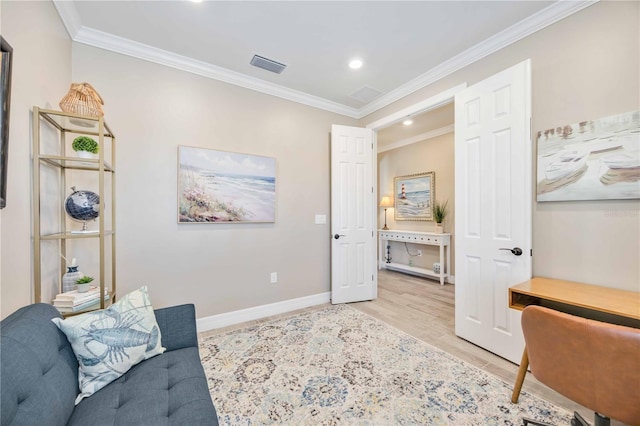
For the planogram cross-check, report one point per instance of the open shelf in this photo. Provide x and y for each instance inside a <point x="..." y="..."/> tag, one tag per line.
<point x="412" y="269"/>
<point x="53" y="173"/>
<point x="72" y="235"/>
<point x="75" y="163"/>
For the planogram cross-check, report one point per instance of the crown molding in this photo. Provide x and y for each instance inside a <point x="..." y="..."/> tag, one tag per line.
<point x="148" y="53"/>
<point x="542" y="19"/>
<point x="418" y="138"/>
<point x="424" y="105"/>
<point x="70" y="17"/>
<point x="547" y="16"/>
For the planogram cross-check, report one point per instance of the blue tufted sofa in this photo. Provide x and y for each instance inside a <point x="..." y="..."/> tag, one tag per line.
<point x="39" y="377"/>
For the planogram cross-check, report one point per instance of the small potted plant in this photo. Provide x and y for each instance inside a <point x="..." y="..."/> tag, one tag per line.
<point x="83" y="284"/>
<point x="85" y="147"/>
<point x="439" y="211"/>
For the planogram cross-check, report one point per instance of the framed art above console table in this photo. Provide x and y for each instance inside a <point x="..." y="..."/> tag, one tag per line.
<point x="443" y="241"/>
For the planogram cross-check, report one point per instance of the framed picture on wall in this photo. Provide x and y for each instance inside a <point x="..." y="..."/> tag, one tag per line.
<point x="225" y="187"/>
<point x="591" y="160"/>
<point x="6" y="54"/>
<point x="414" y="195"/>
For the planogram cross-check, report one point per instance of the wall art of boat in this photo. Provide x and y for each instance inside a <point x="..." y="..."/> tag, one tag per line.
<point x="567" y="163"/>
<point x="622" y="160"/>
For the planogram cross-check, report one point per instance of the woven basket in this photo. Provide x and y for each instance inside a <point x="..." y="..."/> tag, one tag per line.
<point x="82" y="99"/>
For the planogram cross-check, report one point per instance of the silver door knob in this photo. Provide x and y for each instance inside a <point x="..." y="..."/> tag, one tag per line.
<point x="517" y="251"/>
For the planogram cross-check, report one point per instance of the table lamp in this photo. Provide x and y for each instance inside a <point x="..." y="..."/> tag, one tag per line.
<point x="386" y="202"/>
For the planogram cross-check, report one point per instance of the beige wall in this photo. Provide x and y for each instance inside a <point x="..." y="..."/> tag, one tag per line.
<point x="583" y="67"/>
<point x="221" y="267"/>
<point x="432" y="155"/>
<point x="41" y="76"/>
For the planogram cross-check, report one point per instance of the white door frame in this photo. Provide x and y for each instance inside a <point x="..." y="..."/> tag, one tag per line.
<point x="436" y="101"/>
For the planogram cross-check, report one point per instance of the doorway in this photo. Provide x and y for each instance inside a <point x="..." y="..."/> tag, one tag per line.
<point x="493" y="195"/>
<point x="402" y="150"/>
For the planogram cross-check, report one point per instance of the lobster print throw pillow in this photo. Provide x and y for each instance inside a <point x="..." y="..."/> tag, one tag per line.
<point x="108" y="342"/>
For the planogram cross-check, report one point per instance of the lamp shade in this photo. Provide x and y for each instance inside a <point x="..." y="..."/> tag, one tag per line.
<point x="386" y="201"/>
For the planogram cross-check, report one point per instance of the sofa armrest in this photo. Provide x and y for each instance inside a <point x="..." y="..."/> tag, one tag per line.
<point x="177" y="326"/>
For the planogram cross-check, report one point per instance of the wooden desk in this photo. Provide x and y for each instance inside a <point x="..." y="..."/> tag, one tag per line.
<point x="540" y="291"/>
<point x="612" y="301"/>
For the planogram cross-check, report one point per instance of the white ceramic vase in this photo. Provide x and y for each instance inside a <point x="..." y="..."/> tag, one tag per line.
<point x="70" y="277"/>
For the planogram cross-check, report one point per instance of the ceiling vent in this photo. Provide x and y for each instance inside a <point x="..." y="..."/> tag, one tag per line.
<point x="267" y="64"/>
<point x="366" y="94"/>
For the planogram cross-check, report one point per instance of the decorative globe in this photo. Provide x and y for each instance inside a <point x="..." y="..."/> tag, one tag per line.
<point x="82" y="206"/>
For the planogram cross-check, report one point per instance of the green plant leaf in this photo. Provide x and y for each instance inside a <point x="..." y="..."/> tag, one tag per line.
<point x="85" y="143"/>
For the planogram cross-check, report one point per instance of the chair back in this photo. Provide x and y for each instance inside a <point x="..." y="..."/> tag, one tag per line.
<point x="593" y="363"/>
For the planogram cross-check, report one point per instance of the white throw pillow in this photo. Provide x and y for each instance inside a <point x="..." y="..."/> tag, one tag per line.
<point x="108" y="342"/>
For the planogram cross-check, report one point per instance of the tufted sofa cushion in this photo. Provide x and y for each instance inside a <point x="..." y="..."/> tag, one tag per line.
<point x="165" y="390"/>
<point x="38" y="372"/>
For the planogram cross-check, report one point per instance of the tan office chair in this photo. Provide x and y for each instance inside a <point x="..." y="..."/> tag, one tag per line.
<point x="593" y="363"/>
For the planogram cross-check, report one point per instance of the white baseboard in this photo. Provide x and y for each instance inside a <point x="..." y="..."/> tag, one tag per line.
<point x="451" y="279"/>
<point x="263" y="311"/>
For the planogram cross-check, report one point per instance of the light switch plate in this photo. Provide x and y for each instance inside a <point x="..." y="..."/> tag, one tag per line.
<point x="321" y="219"/>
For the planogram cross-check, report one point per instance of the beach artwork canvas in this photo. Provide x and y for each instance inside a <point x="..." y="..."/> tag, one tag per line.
<point x="414" y="195"/>
<point x="591" y="160"/>
<point x="225" y="187"/>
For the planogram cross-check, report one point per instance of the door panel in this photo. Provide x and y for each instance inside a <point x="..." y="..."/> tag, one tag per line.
<point x="352" y="215"/>
<point x="493" y="207"/>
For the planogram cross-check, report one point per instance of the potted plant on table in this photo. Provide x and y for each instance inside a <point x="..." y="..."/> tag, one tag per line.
<point x="85" y="147"/>
<point x="83" y="284"/>
<point x="439" y="211"/>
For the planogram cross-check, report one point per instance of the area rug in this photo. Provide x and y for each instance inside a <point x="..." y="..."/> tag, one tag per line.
<point x="339" y="366"/>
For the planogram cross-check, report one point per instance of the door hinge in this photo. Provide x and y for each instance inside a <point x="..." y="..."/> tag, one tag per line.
<point x="371" y="145"/>
<point x="530" y="252"/>
<point x="371" y="277"/>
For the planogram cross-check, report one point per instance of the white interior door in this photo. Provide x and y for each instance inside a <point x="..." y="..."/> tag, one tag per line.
<point x="493" y="207"/>
<point x="353" y="275"/>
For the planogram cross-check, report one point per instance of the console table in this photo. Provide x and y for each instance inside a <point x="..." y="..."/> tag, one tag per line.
<point x="425" y="238"/>
<point x="541" y="291"/>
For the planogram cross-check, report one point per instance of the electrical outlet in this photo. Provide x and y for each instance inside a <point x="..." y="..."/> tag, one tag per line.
<point x="274" y="277"/>
<point x="419" y="253"/>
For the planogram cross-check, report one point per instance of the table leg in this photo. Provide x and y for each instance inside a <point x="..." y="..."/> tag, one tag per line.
<point x="442" y="265"/>
<point x="522" y="371"/>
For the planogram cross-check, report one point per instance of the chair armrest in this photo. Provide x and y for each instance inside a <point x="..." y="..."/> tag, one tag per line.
<point x="177" y="326"/>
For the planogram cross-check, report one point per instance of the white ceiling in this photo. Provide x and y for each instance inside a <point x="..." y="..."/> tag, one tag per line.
<point x="404" y="45"/>
<point x="425" y="125"/>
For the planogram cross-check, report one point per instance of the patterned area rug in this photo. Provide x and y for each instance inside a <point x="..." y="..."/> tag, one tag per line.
<point x="338" y="366"/>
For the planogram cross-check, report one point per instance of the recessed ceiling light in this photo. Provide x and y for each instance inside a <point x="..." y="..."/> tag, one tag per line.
<point x="197" y="1"/>
<point x="408" y="122"/>
<point x="355" y="64"/>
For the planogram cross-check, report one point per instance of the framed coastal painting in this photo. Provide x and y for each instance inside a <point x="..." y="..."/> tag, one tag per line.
<point x="6" y="55"/>
<point x="225" y="187"/>
<point x="414" y="195"/>
<point x="591" y="160"/>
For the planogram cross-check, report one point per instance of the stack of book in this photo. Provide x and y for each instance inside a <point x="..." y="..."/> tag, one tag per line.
<point x="72" y="301"/>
